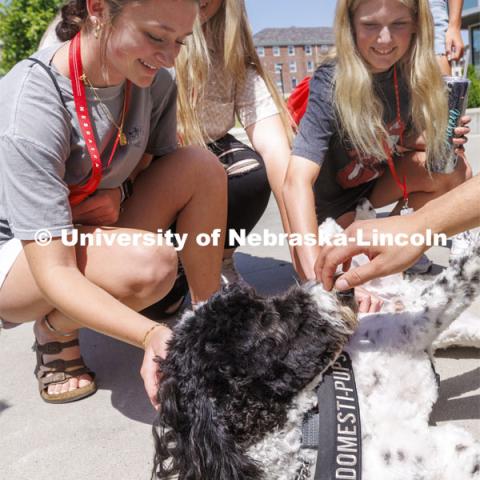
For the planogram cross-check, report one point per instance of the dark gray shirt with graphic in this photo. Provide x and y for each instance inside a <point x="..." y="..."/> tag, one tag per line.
<point x="346" y="175"/>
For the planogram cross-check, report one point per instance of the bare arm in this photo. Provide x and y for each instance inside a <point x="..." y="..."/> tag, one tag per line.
<point x="456" y="211"/>
<point x="300" y="206"/>
<point x="269" y="139"/>
<point x="453" y="37"/>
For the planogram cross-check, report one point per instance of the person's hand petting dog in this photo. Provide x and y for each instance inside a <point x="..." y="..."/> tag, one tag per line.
<point x="384" y="260"/>
<point x="156" y="345"/>
<point x="102" y="208"/>
<point x="366" y="301"/>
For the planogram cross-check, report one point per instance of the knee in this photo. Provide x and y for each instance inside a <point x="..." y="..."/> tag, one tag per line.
<point x="153" y="271"/>
<point x="208" y="170"/>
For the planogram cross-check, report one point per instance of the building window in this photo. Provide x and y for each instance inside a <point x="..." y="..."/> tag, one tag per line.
<point x="308" y="49"/>
<point x="294" y="82"/>
<point x="324" y="49"/>
<point x="276" y="51"/>
<point x="310" y="66"/>
<point x="291" y="50"/>
<point x="278" y="68"/>
<point x="261" y="51"/>
<point x="293" y="67"/>
<point x="475" y="42"/>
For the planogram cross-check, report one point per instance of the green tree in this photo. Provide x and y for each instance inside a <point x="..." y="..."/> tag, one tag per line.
<point x="474" y="93"/>
<point x="22" y="23"/>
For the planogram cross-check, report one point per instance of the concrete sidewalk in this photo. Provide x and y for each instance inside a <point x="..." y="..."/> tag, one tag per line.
<point x="108" y="436"/>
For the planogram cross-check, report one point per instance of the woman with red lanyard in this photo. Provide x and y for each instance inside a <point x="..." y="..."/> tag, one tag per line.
<point x="377" y="111"/>
<point x="79" y="122"/>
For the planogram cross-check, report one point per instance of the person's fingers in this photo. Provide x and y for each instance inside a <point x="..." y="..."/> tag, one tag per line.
<point x="346" y="265"/>
<point x="87" y="205"/>
<point x="457" y="54"/>
<point x="376" y="304"/>
<point x="151" y="379"/>
<point x="462" y="130"/>
<point x="364" y="303"/>
<point x="460" y="140"/>
<point x="321" y="273"/>
<point x="448" y="48"/>
<point x="454" y="48"/>
<point x="331" y="258"/>
<point x="360" y="275"/>
<point x="460" y="151"/>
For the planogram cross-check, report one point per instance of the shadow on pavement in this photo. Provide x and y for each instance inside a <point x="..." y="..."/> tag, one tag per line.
<point x="267" y="275"/>
<point x="465" y="408"/>
<point x="459" y="353"/>
<point x="3" y="406"/>
<point x="117" y="366"/>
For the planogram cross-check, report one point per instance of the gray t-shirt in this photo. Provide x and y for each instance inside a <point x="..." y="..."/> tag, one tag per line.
<point x="42" y="150"/>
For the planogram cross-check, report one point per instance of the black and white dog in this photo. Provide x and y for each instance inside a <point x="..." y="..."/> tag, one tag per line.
<point x="242" y="370"/>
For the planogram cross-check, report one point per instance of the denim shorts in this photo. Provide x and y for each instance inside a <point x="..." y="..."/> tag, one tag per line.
<point x="439" y="11"/>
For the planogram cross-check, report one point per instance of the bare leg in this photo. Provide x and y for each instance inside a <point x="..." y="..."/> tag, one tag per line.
<point x="194" y="194"/>
<point x="137" y="276"/>
<point x="421" y="186"/>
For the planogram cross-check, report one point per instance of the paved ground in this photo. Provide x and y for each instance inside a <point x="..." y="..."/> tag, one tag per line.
<point x="108" y="435"/>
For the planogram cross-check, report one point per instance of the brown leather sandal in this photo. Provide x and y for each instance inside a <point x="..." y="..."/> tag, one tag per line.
<point x="60" y="371"/>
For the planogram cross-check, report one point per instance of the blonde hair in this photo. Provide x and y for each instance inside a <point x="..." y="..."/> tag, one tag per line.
<point x="229" y="32"/>
<point x="359" y="109"/>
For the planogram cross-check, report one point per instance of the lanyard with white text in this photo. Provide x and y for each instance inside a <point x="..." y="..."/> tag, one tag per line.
<point x="80" y="192"/>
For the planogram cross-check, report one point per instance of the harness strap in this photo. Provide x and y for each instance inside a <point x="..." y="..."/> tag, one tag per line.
<point x="338" y="435"/>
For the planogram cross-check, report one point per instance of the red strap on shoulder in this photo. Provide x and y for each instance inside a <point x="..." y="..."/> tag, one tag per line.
<point x="298" y="100"/>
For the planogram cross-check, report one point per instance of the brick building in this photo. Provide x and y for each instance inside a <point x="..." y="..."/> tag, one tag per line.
<point x="290" y="54"/>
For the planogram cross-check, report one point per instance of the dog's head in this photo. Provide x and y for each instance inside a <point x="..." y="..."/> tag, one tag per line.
<point x="233" y="368"/>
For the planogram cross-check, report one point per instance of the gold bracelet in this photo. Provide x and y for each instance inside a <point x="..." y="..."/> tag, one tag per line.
<point x="150" y="330"/>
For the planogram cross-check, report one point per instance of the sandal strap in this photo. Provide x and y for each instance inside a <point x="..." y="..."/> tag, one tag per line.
<point x="53" y="348"/>
<point x="56" y="371"/>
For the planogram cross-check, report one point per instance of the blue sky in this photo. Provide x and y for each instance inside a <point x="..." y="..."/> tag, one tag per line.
<point x="288" y="13"/>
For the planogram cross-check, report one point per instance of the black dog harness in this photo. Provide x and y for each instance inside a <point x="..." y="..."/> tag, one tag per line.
<point x="335" y="432"/>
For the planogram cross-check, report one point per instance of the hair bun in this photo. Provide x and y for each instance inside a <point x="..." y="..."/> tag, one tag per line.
<point x="74" y="14"/>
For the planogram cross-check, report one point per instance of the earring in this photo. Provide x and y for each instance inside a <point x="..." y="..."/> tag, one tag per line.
<point x="97" y="27"/>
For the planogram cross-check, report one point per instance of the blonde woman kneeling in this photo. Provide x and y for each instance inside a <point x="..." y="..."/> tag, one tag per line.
<point x="377" y="112"/>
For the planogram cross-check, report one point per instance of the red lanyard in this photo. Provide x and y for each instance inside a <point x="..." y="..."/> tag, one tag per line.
<point x="388" y="151"/>
<point x="80" y="192"/>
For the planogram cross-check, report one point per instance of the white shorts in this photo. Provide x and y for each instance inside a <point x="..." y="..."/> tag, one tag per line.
<point x="8" y="254"/>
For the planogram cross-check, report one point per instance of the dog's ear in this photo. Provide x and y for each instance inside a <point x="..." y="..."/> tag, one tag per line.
<point x="191" y="440"/>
